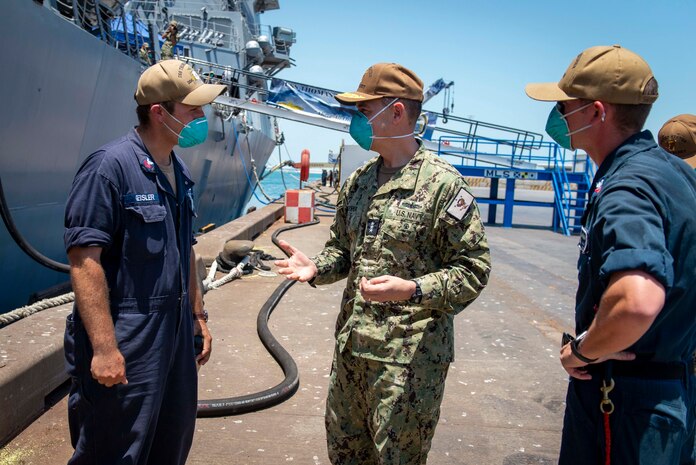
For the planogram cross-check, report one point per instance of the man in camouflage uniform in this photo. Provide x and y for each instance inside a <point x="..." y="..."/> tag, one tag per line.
<point x="144" y="54"/>
<point x="170" y="40"/>
<point x="409" y="236"/>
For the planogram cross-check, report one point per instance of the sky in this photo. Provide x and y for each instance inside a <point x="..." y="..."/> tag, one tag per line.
<point x="490" y="49"/>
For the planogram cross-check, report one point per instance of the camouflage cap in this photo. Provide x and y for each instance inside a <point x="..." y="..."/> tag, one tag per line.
<point x="385" y="80"/>
<point x="678" y="137"/>
<point x="174" y="81"/>
<point x="611" y="74"/>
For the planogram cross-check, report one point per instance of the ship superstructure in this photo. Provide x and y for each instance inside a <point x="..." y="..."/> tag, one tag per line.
<point x="75" y="65"/>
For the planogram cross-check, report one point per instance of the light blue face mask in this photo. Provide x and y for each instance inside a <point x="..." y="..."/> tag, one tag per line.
<point x="193" y="133"/>
<point x="361" y="128"/>
<point x="557" y="126"/>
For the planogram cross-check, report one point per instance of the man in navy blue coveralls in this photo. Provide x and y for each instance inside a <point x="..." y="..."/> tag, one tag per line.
<point x="129" y="342"/>
<point x="636" y="298"/>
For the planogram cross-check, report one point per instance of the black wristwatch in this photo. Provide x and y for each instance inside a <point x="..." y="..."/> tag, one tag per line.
<point x="417" y="295"/>
<point x="576" y="351"/>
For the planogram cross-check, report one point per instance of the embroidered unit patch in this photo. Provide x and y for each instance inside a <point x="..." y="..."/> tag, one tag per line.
<point x="460" y="204"/>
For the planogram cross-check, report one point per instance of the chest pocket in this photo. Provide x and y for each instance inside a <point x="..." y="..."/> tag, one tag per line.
<point x="414" y="229"/>
<point x="403" y="242"/>
<point x="405" y="230"/>
<point x="145" y="232"/>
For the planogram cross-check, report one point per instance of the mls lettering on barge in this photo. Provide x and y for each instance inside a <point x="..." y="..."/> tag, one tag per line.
<point x="510" y="174"/>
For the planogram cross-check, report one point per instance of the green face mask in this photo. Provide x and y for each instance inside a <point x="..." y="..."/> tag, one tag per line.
<point x="557" y="126"/>
<point x="193" y="133"/>
<point x="361" y="128"/>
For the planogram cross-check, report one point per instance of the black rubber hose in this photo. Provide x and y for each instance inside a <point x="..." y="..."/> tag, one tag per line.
<point x="324" y="195"/>
<point x="22" y="243"/>
<point x="279" y="393"/>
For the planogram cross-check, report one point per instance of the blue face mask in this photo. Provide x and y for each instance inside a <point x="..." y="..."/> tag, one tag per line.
<point x="361" y="128"/>
<point x="557" y="126"/>
<point x="193" y="133"/>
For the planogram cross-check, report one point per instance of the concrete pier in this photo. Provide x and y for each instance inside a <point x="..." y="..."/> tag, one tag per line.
<point x="505" y="392"/>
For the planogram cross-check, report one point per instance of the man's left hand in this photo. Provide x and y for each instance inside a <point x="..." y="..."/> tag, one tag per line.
<point x="386" y="288"/>
<point x="200" y="327"/>
<point x="578" y="369"/>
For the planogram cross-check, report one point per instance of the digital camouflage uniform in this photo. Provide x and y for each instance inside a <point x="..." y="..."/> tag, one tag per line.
<point x="170" y="40"/>
<point x="391" y="359"/>
<point x="144" y="54"/>
<point x="166" y="52"/>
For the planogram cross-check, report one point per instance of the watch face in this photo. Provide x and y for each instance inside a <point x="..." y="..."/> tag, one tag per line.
<point x="417" y="293"/>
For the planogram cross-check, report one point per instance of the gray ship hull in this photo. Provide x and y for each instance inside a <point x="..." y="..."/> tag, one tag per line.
<point x="65" y="94"/>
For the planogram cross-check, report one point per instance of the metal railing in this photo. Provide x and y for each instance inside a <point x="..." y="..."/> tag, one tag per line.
<point x="197" y="21"/>
<point x="519" y="140"/>
<point x="105" y="19"/>
<point x="218" y="32"/>
<point x="476" y="150"/>
<point x="570" y="172"/>
<point x="574" y="199"/>
<point x="220" y="5"/>
<point x="120" y="23"/>
<point x="238" y="80"/>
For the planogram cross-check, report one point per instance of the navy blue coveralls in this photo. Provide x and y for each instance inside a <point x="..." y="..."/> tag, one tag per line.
<point x="122" y="202"/>
<point x="641" y="216"/>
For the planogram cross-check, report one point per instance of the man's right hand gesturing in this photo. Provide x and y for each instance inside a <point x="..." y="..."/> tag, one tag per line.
<point x="298" y="266"/>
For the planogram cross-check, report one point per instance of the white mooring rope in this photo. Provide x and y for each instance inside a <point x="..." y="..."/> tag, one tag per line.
<point x="23" y="312"/>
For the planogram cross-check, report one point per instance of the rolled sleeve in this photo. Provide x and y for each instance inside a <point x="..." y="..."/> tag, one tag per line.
<point x="632" y="235"/>
<point x="85" y="237"/>
<point x="92" y="209"/>
<point x="656" y="264"/>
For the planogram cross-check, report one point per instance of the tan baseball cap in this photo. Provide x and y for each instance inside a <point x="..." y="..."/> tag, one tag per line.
<point x="678" y="137"/>
<point x="610" y="74"/>
<point x="174" y="81"/>
<point x="385" y="80"/>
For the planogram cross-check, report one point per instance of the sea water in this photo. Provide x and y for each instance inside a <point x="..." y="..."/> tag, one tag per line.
<point x="275" y="185"/>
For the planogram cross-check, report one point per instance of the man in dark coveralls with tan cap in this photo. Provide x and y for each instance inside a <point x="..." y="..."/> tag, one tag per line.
<point x="408" y="235"/>
<point x="632" y="393"/>
<point x="678" y="137"/>
<point x="129" y="342"/>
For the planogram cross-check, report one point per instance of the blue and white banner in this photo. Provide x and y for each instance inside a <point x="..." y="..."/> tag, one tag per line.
<point x="315" y="100"/>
